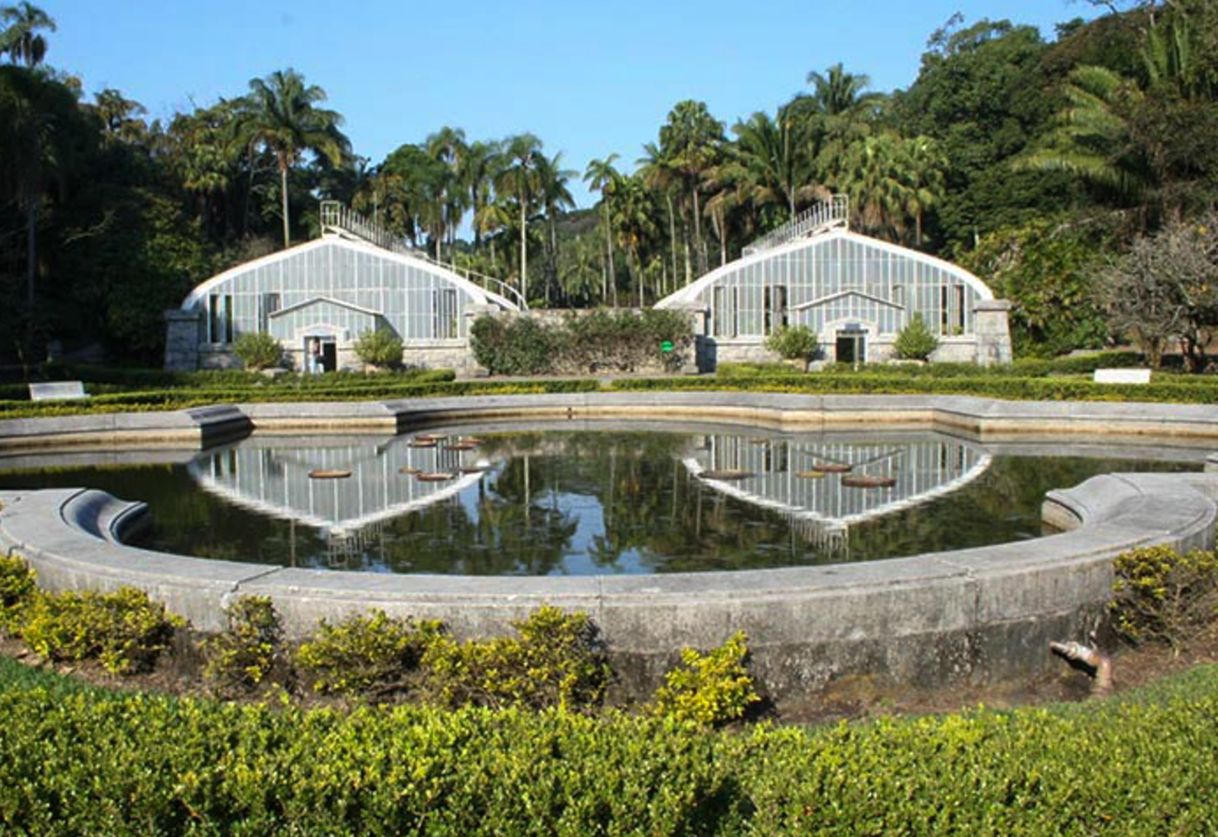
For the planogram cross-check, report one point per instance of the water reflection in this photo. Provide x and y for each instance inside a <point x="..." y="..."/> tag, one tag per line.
<point x="582" y="499"/>
<point x="808" y="480"/>
<point x="579" y="501"/>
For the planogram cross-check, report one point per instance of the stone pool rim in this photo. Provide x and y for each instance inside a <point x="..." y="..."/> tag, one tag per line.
<point x="978" y="614"/>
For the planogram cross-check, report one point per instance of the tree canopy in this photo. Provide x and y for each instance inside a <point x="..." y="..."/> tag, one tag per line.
<point x="1027" y="158"/>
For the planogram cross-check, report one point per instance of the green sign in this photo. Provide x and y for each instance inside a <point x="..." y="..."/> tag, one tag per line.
<point x="666" y="346"/>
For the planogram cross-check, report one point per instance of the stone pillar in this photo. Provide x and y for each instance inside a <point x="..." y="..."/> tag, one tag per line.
<point x="181" y="340"/>
<point x="992" y="332"/>
<point x="467" y="366"/>
<point x="702" y="360"/>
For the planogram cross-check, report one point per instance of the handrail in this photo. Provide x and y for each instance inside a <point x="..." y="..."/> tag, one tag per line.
<point x="819" y="217"/>
<point x="341" y="220"/>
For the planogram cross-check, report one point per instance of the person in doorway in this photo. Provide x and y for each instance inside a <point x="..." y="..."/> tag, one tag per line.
<point x="318" y="358"/>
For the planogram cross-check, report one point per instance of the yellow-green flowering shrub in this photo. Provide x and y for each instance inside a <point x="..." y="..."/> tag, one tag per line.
<point x="17" y="584"/>
<point x="708" y="689"/>
<point x="556" y="660"/>
<point x="1161" y="595"/>
<point x="370" y="653"/>
<point x="124" y="630"/>
<point x="241" y="658"/>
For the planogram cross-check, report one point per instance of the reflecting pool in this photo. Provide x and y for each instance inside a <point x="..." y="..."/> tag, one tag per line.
<point x="579" y="498"/>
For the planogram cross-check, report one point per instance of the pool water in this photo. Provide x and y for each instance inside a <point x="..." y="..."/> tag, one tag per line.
<point x="505" y="500"/>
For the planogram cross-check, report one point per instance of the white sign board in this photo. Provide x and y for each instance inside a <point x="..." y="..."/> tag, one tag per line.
<point x="1122" y="376"/>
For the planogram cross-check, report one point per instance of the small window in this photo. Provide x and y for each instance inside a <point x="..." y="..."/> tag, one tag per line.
<point x="944" y="315"/>
<point x="774" y="301"/>
<point x="898" y="295"/>
<point x="268" y="305"/>
<point x="444" y="313"/>
<point x="725" y="313"/>
<point x="213" y="318"/>
<point x="228" y="319"/>
<point x="220" y="318"/>
<point x="959" y="289"/>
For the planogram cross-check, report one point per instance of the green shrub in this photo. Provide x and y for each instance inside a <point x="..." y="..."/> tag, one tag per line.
<point x="708" y="689"/>
<point x="381" y="347"/>
<point x="258" y="350"/>
<point x="1163" y="596"/>
<point x="17" y="584"/>
<point x="914" y="341"/>
<point x="88" y="761"/>
<point x="124" y="630"/>
<point x="793" y="342"/>
<point x="370" y="654"/>
<point x="241" y="658"/>
<point x="555" y="661"/>
<point x="511" y="346"/>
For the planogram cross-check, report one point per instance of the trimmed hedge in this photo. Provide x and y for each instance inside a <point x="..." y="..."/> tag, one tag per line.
<point x="76" y="760"/>
<point x="375" y="388"/>
<point x="1171" y="390"/>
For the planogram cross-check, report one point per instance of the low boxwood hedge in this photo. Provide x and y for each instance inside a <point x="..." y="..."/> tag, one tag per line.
<point x="80" y="760"/>
<point x="373" y="389"/>
<point x="1182" y="390"/>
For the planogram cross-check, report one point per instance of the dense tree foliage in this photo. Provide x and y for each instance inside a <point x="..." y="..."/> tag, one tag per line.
<point x="1025" y="158"/>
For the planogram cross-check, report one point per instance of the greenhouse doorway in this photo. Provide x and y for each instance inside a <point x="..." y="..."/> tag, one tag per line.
<point x="321" y="354"/>
<point x="851" y="345"/>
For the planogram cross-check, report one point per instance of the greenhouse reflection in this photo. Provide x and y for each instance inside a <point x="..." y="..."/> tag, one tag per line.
<point x="343" y="487"/>
<point x="823" y="485"/>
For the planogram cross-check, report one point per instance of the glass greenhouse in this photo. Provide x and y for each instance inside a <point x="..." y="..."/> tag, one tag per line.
<point x="856" y="293"/>
<point x="317" y="298"/>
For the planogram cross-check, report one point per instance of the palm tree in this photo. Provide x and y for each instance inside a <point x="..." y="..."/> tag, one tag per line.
<point x="494" y="216"/>
<point x="519" y="178"/>
<point x="875" y="180"/>
<point x="119" y="116"/>
<point x="660" y="177"/>
<point x="20" y="38"/>
<point x="632" y="216"/>
<point x="555" y="196"/>
<point x="447" y="147"/>
<point x="691" y="142"/>
<point x="1093" y="135"/>
<point x="726" y="184"/>
<point x="601" y="175"/>
<point x="35" y="148"/>
<point x="926" y="168"/>
<point x="413" y="205"/>
<point x="775" y="155"/>
<point x="481" y="163"/>
<point x="280" y="115"/>
<point x="839" y="93"/>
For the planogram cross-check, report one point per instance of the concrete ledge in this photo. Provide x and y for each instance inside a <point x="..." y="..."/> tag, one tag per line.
<point x="987" y="418"/>
<point x="974" y="614"/>
<point x="201" y="427"/>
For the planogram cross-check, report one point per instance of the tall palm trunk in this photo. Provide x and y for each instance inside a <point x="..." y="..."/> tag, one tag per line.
<point x="612" y="268"/>
<point x="524" y="253"/>
<point x="699" y="244"/>
<point x="31" y="254"/>
<point x="689" y="273"/>
<point x="672" y="233"/>
<point x="283" y="189"/>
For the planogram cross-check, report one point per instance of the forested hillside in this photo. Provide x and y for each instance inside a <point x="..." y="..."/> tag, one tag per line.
<point x="1034" y="161"/>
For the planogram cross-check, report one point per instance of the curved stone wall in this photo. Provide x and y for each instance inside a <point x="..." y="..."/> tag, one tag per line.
<point x="973" y="614"/>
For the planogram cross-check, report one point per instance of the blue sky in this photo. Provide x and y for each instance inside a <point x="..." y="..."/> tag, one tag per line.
<point x="587" y="79"/>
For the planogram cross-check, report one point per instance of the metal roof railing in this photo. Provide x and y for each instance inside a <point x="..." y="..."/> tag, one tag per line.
<point x="339" y="219"/>
<point x="822" y="216"/>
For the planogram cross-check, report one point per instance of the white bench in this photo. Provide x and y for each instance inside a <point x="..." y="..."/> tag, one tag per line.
<point x="1122" y="376"/>
<point x="57" y="391"/>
